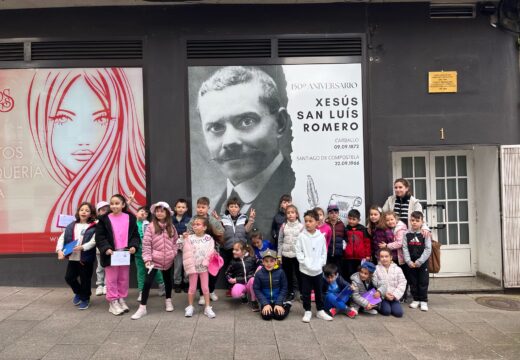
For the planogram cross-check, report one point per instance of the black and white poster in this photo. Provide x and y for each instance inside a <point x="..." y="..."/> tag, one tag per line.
<point x="258" y="132"/>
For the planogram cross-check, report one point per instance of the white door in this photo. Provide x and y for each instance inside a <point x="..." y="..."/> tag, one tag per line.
<point x="443" y="183"/>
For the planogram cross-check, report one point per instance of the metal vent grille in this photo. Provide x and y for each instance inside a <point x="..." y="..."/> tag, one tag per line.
<point x="319" y="47"/>
<point x="222" y="49"/>
<point x="83" y="50"/>
<point x="455" y="11"/>
<point x="11" y="51"/>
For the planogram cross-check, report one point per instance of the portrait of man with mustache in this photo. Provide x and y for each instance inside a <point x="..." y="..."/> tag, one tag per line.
<point x="245" y="124"/>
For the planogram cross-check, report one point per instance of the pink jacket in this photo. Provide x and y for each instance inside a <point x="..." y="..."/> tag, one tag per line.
<point x="389" y="280"/>
<point x="326" y="231"/>
<point x="196" y="253"/>
<point x="160" y="249"/>
<point x="399" y="234"/>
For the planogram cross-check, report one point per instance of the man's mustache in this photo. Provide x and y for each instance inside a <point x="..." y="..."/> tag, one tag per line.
<point x="236" y="154"/>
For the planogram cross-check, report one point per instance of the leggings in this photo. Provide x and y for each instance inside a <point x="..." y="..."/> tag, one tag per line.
<point x="204" y="282"/>
<point x="166" y="275"/>
<point x="239" y="290"/>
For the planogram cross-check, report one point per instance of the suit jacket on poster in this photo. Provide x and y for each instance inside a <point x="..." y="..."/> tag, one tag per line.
<point x="266" y="203"/>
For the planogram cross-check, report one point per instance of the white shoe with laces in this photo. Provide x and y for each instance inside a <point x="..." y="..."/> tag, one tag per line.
<point x="139" y="313"/>
<point x="371" y="311"/>
<point x="115" y="308"/>
<point x="414" y="304"/>
<point x="208" y="311"/>
<point x="99" y="290"/>
<point x="202" y="301"/>
<point x="123" y="305"/>
<point x="424" y="306"/>
<point x="307" y="317"/>
<point x="168" y="304"/>
<point x="213" y="296"/>
<point x="323" y="315"/>
<point x="188" y="312"/>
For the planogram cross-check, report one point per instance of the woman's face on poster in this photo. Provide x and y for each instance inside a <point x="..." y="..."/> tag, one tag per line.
<point x="79" y="125"/>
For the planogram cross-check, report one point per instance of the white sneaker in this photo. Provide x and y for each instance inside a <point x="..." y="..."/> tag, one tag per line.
<point x="424" y="306"/>
<point x="140" y="296"/>
<point x="104" y="290"/>
<point x="213" y="296"/>
<point x="202" y="301"/>
<point x="307" y="317"/>
<point x="188" y="312"/>
<point x="168" y="304"/>
<point x="208" y="311"/>
<point x="323" y="315"/>
<point x="139" y="313"/>
<point x="371" y="311"/>
<point x="162" y="290"/>
<point x="115" y="308"/>
<point x="414" y="304"/>
<point x="123" y="305"/>
<point x="99" y="290"/>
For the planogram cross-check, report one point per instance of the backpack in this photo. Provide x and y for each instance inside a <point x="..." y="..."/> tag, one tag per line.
<point x="434" y="262"/>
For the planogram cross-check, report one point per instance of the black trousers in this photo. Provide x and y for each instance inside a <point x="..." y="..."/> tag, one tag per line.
<point x="350" y="266"/>
<point x="83" y="271"/>
<point x="273" y="315"/>
<point x="310" y="283"/>
<point x="291" y="268"/>
<point x="419" y="279"/>
<point x="167" y="276"/>
<point x="406" y="271"/>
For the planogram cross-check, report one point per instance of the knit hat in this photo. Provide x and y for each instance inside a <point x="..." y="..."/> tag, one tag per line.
<point x="369" y="266"/>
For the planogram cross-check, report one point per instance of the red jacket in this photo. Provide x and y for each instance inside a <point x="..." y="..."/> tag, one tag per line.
<point x="358" y="243"/>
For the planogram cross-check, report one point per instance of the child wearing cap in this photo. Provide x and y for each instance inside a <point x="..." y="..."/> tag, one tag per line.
<point x="333" y="285"/>
<point x="335" y="247"/>
<point x="362" y="283"/>
<point x="270" y="287"/>
<point x="102" y="208"/>
<point x="159" y="250"/>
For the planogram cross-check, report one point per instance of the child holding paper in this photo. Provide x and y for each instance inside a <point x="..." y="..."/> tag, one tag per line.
<point x="362" y="284"/>
<point x="336" y="291"/>
<point x="117" y="231"/>
<point x="159" y="251"/>
<point x="81" y="253"/>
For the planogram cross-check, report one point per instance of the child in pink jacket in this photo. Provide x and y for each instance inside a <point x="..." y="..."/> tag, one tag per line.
<point x="159" y="250"/>
<point x="197" y="251"/>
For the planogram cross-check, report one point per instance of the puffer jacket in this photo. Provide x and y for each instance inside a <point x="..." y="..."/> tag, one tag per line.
<point x="160" y="248"/>
<point x="389" y="280"/>
<point x="234" y="231"/>
<point x="196" y="253"/>
<point x="358" y="243"/>
<point x="270" y="286"/>
<point x="361" y="288"/>
<point x="242" y="269"/>
<point x="287" y="238"/>
<point x="335" y="247"/>
<point x="397" y="245"/>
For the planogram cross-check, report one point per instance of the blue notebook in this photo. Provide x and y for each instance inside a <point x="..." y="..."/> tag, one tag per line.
<point x="344" y="295"/>
<point x="69" y="248"/>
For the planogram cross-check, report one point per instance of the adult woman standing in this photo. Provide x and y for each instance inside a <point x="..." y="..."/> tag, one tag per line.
<point x="403" y="203"/>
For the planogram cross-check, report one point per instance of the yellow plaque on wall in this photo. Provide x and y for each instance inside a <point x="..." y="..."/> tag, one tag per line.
<point x="442" y="82"/>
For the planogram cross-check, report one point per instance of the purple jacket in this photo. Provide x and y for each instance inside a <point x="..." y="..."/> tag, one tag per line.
<point x="160" y="248"/>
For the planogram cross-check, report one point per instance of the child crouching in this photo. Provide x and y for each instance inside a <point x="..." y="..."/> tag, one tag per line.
<point x="270" y="286"/>
<point x="333" y="285"/>
<point x="362" y="283"/>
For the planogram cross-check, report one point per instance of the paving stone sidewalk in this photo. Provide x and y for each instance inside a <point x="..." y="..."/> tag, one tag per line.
<point x="42" y="323"/>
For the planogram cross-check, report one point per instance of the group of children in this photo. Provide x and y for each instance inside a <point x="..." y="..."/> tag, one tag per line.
<point x="326" y="261"/>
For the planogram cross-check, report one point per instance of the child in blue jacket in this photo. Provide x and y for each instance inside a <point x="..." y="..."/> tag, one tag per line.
<point x="270" y="288"/>
<point x="333" y="285"/>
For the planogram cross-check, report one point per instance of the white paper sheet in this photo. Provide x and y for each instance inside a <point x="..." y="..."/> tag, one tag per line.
<point x="120" y="258"/>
